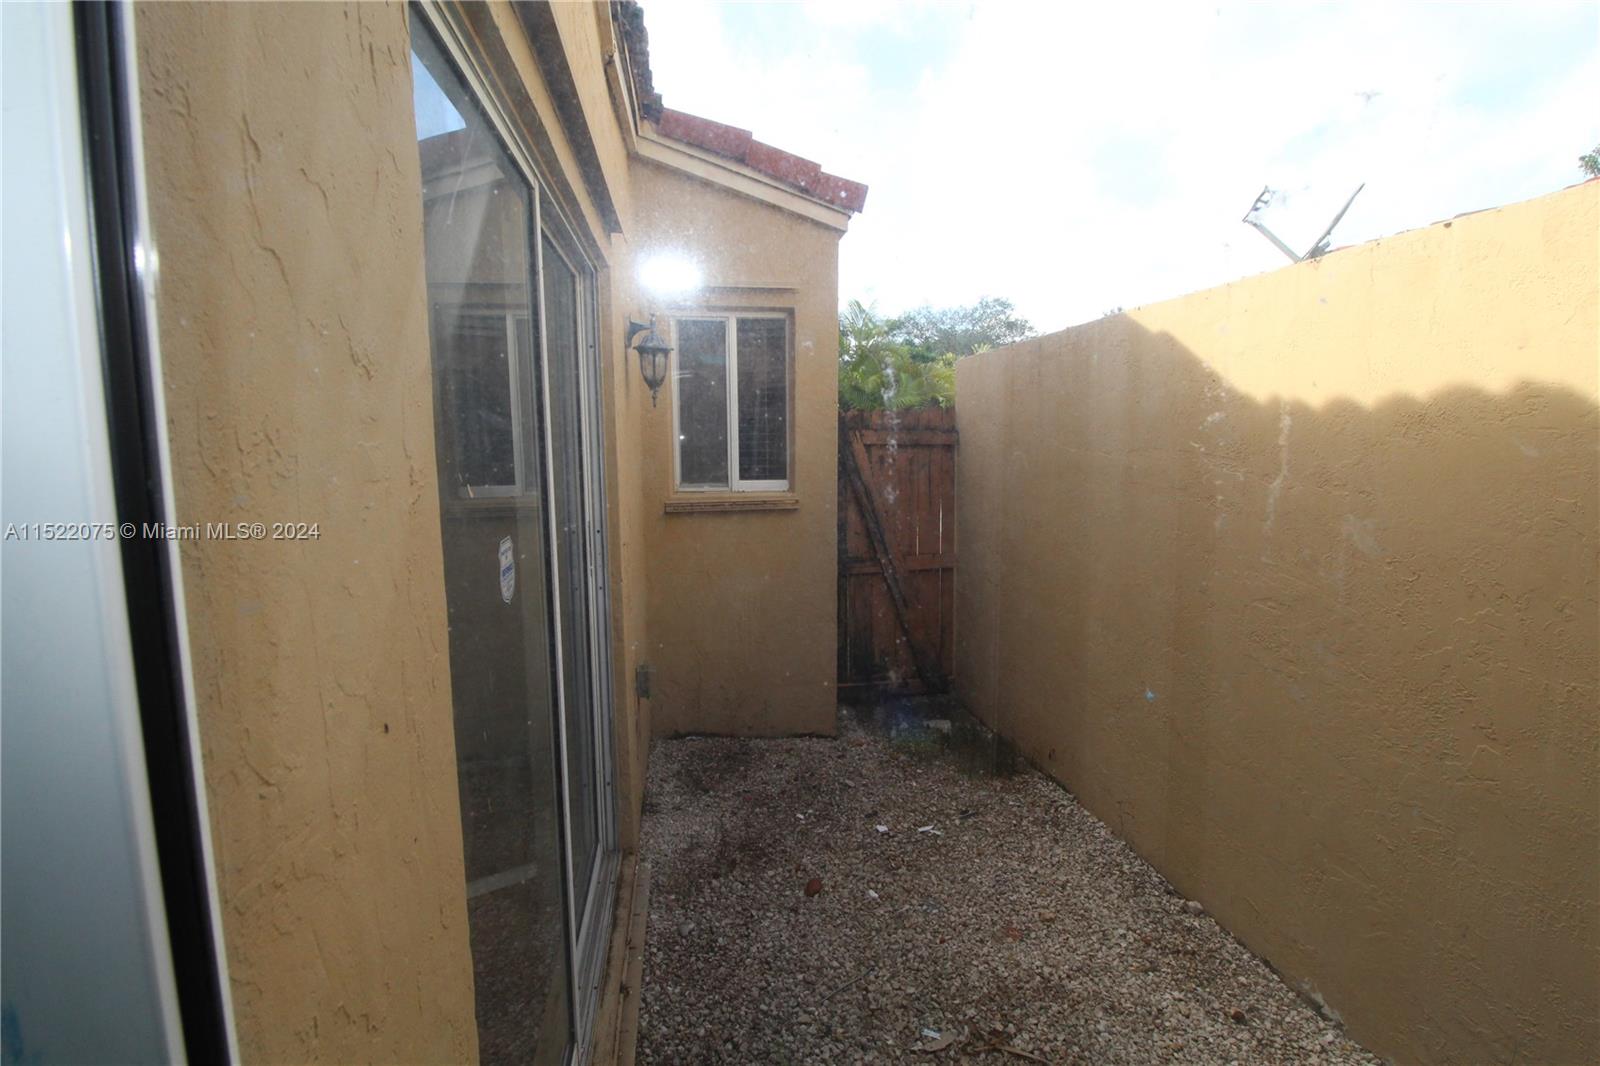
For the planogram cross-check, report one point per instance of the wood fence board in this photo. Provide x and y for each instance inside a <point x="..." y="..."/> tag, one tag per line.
<point x="897" y="552"/>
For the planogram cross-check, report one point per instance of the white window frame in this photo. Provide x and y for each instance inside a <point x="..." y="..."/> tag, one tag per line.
<point x="730" y="322"/>
<point x="524" y="482"/>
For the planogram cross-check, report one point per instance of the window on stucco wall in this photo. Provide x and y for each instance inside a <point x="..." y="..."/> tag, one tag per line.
<point x="731" y="402"/>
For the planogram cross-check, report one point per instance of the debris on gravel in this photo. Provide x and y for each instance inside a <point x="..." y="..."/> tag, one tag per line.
<point x="1022" y="930"/>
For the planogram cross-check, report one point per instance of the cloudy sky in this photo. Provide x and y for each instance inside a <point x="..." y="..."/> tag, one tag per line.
<point x="1076" y="157"/>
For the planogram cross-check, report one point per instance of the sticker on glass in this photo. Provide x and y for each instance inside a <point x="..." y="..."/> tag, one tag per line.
<point x="508" y="570"/>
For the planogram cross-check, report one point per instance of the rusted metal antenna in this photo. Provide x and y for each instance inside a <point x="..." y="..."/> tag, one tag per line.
<point x="1318" y="248"/>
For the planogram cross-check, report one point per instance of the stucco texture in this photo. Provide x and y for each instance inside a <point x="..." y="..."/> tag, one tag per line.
<point x="1294" y="583"/>
<point x="626" y="401"/>
<point x="284" y="186"/>
<point x="742" y="603"/>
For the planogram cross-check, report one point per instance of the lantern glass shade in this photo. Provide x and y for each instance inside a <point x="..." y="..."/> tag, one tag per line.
<point x="653" y="362"/>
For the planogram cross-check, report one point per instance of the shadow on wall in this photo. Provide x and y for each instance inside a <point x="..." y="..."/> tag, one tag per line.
<point x="1331" y="667"/>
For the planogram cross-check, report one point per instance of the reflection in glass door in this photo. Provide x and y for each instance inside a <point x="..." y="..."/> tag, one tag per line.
<point x="478" y="215"/>
<point x="511" y="306"/>
<point x="561" y="340"/>
<point x="567" y="288"/>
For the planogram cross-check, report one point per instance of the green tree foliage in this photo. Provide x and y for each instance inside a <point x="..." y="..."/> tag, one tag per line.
<point x="878" y="370"/>
<point x="910" y="361"/>
<point x="963" y="331"/>
<point x="1590" y="162"/>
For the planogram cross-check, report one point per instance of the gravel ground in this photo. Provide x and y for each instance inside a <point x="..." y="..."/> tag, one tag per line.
<point x="786" y="927"/>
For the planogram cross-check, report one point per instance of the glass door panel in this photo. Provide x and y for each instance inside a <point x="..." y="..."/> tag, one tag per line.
<point x="562" y="350"/>
<point x="478" y="218"/>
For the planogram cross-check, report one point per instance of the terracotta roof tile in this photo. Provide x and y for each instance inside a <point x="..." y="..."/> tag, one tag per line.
<point x="785" y="166"/>
<point x="728" y="141"/>
<point x="742" y="147"/>
<point x="717" y="137"/>
<point x="842" y="192"/>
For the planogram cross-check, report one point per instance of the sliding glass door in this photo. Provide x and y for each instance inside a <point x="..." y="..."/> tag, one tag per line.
<point x="510" y="302"/>
<point x="477" y="214"/>
<point x="579" y="521"/>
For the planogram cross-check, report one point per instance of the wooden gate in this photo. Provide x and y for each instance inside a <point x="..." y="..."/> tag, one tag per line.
<point x="897" y="551"/>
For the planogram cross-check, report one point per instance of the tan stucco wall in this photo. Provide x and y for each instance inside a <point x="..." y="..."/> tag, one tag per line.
<point x="284" y="186"/>
<point x="1294" y="583"/>
<point x="627" y="400"/>
<point x="580" y="27"/>
<point x="742" y="605"/>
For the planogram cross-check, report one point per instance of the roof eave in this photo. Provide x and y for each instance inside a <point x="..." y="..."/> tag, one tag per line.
<point x="718" y="170"/>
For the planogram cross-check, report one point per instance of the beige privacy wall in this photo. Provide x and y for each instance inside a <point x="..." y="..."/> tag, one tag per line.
<point x="742" y="603"/>
<point x="1293" y="582"/>
<point x="284" y="187"/>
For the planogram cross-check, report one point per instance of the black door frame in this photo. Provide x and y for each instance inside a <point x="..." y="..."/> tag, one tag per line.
<point x="154" y="615"/>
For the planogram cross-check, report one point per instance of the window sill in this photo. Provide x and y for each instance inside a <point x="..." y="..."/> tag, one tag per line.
<point x="719" y="502"/>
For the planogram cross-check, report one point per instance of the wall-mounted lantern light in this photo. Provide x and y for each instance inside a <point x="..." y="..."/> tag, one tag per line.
<point x="664" y="274"/>
<point x="653" y="353"/>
